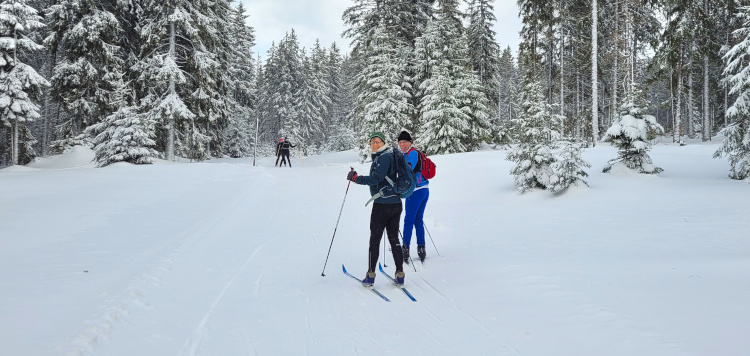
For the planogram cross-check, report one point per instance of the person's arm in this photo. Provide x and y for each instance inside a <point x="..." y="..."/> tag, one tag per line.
<point x="412" y="157"/>
<point x="379" y="172"/>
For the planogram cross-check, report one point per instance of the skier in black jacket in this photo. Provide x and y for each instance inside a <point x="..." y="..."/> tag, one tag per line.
<point x="285" y="146"/>
<point x="278" y="151"/>
<point x="386" y="210"/>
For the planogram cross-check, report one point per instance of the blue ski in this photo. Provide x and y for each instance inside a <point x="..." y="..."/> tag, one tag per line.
<point x="370" y="288"/>
<point x="394" y="282"/>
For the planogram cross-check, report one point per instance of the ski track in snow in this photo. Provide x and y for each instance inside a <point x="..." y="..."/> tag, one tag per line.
<point x="191" y="344"/>
<point x="86" y="342"/>
<point x="538" y="294"/>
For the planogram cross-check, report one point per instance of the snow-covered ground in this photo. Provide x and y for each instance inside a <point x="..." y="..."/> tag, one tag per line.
<point x="223" y="258"/>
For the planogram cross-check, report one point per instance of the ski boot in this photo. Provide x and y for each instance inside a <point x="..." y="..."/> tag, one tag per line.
<point x="421" y="252"/>
<point x="400" y="278"/>
<point x="406" y="254"/>
<point x="369" y="279"/>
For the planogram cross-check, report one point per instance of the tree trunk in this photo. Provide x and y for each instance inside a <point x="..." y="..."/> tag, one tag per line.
<point x="255" y="146"/>
<point x="14" y="138"/>
<point x="706" y="134"/>
<point x="631" y="39"/>
<point x="678" y="109"/>
<point x="550" y="91"/>
<point x="616" y="41"/>
<point x="690" y="120"/>
<point x="594" y="77"/>
<point x="14" y="144"/>
<point x="172" y="90"/>
<point x="579" y="131"/>
<point x="706" y="118"/>
<point x="562" y="71"/>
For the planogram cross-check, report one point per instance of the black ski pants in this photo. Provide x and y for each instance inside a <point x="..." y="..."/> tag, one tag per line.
<point x="385" y="217"/>
<point x="285" y="158"/>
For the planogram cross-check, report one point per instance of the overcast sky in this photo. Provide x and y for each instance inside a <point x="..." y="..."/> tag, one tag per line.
<point x="321" y="19"/>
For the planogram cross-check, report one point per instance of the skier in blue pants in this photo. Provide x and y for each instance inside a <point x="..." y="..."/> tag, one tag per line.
<point x="416" y="203"/>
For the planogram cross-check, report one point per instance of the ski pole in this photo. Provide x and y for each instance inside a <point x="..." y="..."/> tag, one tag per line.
<point x="323" y="274"/>
<point x="384" y="263"/>
<point x="430" y="235"/>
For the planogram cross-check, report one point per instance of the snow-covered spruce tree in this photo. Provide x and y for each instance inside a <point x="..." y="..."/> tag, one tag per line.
<point x="283" y="80"/>
<point x="20" y="84"/>
<point x="85" y="34"/>
<point x="475" y="104"/>
<point x="629" y="134"/>
<point x="209" y="67"/>
<point x="405" y="19"/>
<point x="237" y="134"/>
<point x="124" y="136"/>
<point x="568" y="168"/>
<point x="453" y="108"/>
<point x="313" y="101"/>
<point x="265" y="111"/>
<point x="536" y="132"/>
<point x="342" y="136"/>
<point x="736" y="145"/>
<point x="483" y="48"/>
<point x="383" y="103"/>
<point x="507" y="82"/>
<point x="242" y="71"/>
<point x="183" y="67"/>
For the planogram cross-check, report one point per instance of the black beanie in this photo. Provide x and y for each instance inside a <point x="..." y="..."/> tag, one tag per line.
<point x="404" y="136"/>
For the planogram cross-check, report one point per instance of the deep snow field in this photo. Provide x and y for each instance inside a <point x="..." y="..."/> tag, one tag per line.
<point x="224" y="258"/>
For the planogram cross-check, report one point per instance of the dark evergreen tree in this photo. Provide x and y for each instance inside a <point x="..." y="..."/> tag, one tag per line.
<point x="20" y="84"/>
<point x="483" y="48"/>
<point x="736" y="145"/>
<point x="184" y="61"/>
<point x="242" y="76"/>
<point x="507" y="82"/>
<point x="90" y="70"/>
<point x="383" y="103"/>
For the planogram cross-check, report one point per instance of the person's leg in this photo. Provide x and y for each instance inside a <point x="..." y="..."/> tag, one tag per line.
<point x="378" y="220"/>
<point x="409" y="217"/>
<point x="283" y="160"/>
<point x="423" y="196"/>
<point x="392" y="231"/>
<point x="289" y="158"/>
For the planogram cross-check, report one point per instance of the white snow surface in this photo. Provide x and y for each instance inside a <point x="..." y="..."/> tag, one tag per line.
<point x="223" y="258"/>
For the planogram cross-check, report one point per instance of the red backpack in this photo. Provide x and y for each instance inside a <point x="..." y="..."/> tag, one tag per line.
<point x="425" y="165"/>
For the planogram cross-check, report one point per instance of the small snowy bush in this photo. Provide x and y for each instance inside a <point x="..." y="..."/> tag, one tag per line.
<point x="629" y="134"/>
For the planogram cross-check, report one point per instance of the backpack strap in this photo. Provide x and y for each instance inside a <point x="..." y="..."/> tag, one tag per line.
<point x="418" y="167"/>
<point x="390" y="181"/>
<point x="377" y="195"/>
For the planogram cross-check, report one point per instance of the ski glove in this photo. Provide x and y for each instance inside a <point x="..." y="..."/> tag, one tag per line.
<point x="352" y="176"/>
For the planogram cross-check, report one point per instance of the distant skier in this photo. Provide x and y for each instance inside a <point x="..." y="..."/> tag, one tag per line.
<point x="278" y="151"/>
<point x="386" y="210"/>
<point x="285" y="146"/>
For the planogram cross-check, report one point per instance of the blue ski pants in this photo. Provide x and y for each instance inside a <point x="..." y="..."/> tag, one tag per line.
<point x="413" y="219"/>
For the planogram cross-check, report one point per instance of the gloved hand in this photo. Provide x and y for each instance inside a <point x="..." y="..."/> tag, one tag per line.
<point x="352" y="176"/>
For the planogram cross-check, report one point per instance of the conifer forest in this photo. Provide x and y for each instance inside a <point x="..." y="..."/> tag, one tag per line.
<point x="138" y="80"/>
